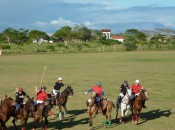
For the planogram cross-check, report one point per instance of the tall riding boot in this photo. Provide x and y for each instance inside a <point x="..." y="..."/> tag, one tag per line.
<point x="131" y="103"/>
<point x="87" y="103"/>
<point x="143" y="104"/>
<point x="99" y="107"/>
<point x="16" y="113"/>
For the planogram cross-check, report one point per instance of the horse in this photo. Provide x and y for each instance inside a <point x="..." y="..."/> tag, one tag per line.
<point x="137" y="105"/>
<point x="42" y="112"/>
<point x="25" y="111"/>
<point x="7" y="110"/>
<point x="62" y="100"/>
<point x="29" y="105"/>
<point x="92" y="110"/>
<point x="125" y="106"/>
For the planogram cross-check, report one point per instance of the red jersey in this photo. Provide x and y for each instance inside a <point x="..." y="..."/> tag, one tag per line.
<point x="136" y="88"/>
<point x="41" y="95"/>
<point x="98" y="90"/>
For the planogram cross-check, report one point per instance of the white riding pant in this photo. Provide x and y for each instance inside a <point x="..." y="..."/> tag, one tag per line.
<point x="55" y="92"/>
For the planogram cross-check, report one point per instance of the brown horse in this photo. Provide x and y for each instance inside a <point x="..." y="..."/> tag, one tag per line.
<point x="62" y="100"/>
<point x="106" y="111"/>
<point x="42" y="112"/>
<point x="137" y="105"/>
<point x="7" y="110"/>
<point x="24" y="112"/>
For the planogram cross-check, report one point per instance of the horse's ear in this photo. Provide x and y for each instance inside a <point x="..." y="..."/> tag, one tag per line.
<point x="144" y="89"/>
<point x="32" y="98"/>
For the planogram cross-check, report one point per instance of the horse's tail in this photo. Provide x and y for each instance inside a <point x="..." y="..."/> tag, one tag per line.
<point x="113" y="105"/>
<point x="117" y="108"/>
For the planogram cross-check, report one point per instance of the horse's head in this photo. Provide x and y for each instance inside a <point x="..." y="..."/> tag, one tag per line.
<point x="9" y="100"/>
<point x="29" y="105"/>
<point x="143" y="94"/>
<point x="129" y="92"/>
<point x="48" y="103"/>
<point x="70" y="90"/>
<point x="8" y="104"/>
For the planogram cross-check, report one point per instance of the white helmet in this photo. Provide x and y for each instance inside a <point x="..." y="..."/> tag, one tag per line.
<point x="137" y="81"/>
<point x="60" y="78"/>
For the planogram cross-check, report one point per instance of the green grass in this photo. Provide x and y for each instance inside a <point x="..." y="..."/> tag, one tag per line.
<point x="155" y="70"/>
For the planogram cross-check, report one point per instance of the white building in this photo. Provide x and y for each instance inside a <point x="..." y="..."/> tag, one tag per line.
<point x="119" y="38"/>
<point x="106" y="33"/>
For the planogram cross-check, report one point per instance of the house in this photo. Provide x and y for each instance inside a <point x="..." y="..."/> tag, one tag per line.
<point x="106" y="33"/>
<point x="119" y="38"/>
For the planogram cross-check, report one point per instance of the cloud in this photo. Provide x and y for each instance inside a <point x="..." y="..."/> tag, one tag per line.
<point x="41" y="23"/>
<point x="62" y="22"/>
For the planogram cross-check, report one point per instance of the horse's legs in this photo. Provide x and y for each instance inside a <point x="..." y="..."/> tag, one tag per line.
<point x="122" y="115"/>
<point x="137" y="117"/>
<point x="65" y="108"/>
<point x="36" y="119"/>
<point x="60" y="114"/>
<point x="45" y="125"/>
<point x="106" y="117"/>
<point x="91" y="113"/>
<point x="13" y="121"/>
<point x="133" y="116"/>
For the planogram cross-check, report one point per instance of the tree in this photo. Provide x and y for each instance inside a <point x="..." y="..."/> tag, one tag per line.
<point x="10" y="35"/>
<point x="64" y="33"/>
<point x="134" y="37"/>
<point x="22" y="36"/>
<point x="81" y="32"/>
<point x="37" y="35"/>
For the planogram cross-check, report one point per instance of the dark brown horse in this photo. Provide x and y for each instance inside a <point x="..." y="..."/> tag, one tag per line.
<point x="7" y="110"/>
<point x="137" y="105"/>
<point x="106" y="111"/>
<point x="25" y="111"/>
<point x="62" y="100"/>
<point x="42" y="112"/>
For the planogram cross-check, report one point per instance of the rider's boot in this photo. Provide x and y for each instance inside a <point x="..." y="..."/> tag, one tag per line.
<point x="143" y="104"/>
<point x="131" y="103"/>
<point x="99" y="107"/>
<point x="16" y="113"/>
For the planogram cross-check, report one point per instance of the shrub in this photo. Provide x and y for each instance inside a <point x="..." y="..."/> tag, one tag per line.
<point x="130" y="46"/>
<point x="6" y="47"/>
<point x="51" y="48"/>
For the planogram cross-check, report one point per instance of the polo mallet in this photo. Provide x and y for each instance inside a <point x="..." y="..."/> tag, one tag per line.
<point x="42" y="76"/>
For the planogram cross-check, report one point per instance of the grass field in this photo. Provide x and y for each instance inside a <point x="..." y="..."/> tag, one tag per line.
<point x="155" y="70"/>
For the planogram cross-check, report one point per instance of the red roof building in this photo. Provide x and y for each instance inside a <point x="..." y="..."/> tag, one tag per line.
<point x="119" y="38"/>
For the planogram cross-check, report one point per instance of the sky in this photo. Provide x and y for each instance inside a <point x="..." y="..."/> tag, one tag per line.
<point x="117" y="15"/>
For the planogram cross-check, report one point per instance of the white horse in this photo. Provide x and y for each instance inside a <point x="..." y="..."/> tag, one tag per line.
<point x="125" y="106"/>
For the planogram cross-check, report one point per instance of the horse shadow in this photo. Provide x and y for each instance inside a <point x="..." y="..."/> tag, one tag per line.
<point x="154" y="114"/>
<point x="69" y="121"/>
<point x="147" y="116"/>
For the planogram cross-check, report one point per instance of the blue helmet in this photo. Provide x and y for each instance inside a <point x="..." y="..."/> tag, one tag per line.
<point x="98" y="84"/>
